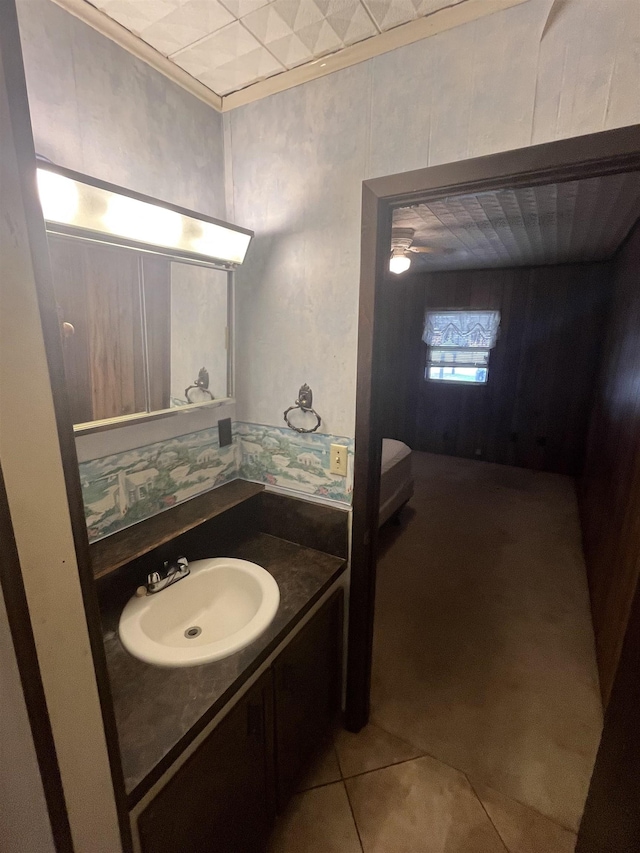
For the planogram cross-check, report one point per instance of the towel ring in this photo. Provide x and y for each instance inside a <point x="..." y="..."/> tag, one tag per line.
<point x="201" y="383"/>
<point x="304" y="403"/>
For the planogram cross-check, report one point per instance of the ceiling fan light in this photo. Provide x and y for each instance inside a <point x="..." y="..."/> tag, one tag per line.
<point x="399" y="263"/>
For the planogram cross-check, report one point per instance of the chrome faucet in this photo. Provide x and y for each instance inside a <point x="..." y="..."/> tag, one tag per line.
<point x="171" y="573"/>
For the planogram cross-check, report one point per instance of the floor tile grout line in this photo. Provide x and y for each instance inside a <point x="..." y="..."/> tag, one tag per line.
<point x="383" y="767"/>
<point x="520" y="803"/>
<point x="483" y="807"/>
<point x="397" y="737"/>
<point x="353" y="815"/>
<point x="337" y="755"/>
<point x="319" y="785"/>
<point x="425" y="754"/>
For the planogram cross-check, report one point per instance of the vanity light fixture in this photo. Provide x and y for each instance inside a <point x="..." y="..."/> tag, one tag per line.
<point x="75" y="204"/>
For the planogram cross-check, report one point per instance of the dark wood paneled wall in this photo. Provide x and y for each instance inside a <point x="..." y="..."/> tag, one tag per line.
<point x="400" y="316"/>
<point x="534" y="410"/>
<point x="610" y="487"/>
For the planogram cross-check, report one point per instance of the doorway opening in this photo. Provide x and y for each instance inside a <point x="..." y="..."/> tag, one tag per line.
<point x="491" y="349"/>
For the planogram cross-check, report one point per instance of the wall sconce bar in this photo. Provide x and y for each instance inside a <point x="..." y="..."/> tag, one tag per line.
<point x="81" y="206"/>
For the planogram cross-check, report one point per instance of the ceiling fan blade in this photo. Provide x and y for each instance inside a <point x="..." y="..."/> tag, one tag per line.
<point x="430" y="250"/>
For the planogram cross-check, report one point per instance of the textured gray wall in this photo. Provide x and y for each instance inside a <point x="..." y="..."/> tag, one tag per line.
<point x="296" y="161"/>
<point x="97" y="109"/>
<point x="534" y="73"/>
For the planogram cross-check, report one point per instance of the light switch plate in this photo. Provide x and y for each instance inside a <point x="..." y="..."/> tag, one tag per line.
<point x="338" y="463"/>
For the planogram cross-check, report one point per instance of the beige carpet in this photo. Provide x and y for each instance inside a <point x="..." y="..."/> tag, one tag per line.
<point x="484" y="654"/>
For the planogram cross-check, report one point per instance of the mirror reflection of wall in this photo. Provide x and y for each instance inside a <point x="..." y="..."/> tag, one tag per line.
<point x="137" y="329"/>
<point x="198" y="332"/>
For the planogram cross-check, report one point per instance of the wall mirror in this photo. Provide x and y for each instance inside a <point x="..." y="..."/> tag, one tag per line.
<point x="146" y="326"/>
<point x="142" y="333"/>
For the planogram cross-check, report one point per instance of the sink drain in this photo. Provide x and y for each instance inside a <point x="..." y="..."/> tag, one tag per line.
<point x="190" y="633"/>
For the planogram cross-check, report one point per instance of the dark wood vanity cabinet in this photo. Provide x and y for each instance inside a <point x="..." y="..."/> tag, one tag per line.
<point x="307" y="681"/>
<point x="224" y="796"/>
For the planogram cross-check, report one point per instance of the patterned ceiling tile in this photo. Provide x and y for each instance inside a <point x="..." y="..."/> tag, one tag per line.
<point x="391" y="13"/>
<point x="349" y="19"/>
<point x="228" y="59"/>
<point x="240" y="8"/>
<point x="297" y="31"/>
<point x="229" y="44"/>
<point x="193" y="20"/>
<point x="238" y="73"/>
<point x="215" y="50"/>
<point x="275" y="27"/>
<point x="428" y="7"/>
<point x="570" y="222"/>
<point x="135" y="15"/>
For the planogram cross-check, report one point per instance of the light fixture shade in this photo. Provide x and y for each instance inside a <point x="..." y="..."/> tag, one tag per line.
<point x="73" y="203"/>
<point x="399" y="263"/>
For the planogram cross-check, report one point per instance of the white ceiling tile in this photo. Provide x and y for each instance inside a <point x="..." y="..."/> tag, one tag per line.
<point x="350" y="20"/>
<point x="291" y="29"/>
<point x="232" y="43"/>
<point x="267" y="25"/>
<point x="290" y="50"/>
<point x="320" y="38"/>
<point x="240" y="8"/>
<point x="187" y="24"/>
<point x="391" y="13"/>
<point x="238" y="73"/>
<point x="135" y="15"/>
<point x="216" y="50"/>
<point x="428" y="7"/>
<point x="302" y="12"/>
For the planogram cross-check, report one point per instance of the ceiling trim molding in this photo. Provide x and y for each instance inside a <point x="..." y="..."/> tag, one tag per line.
<point x="437" y="22"/>
<point x="405" y="34"/>
<point x="133" y="44"/>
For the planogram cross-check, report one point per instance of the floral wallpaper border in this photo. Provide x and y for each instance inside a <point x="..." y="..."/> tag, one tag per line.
<point x="123" y="488"/>
<point x="293" y="460"/>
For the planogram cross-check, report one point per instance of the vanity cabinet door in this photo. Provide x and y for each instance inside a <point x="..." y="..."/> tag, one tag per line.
<point x="221" y="799"/>
<point x="307" y="687"/>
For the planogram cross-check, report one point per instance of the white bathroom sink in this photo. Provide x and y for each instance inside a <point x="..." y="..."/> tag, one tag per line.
<point x="223" y="605"/>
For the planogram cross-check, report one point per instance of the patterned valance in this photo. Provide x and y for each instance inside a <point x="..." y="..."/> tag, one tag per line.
<point x="461" y="329"/>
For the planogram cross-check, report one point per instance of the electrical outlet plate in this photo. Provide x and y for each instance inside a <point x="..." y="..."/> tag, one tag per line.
<point x="338" y="464"/>
<point x="224" y="432"/>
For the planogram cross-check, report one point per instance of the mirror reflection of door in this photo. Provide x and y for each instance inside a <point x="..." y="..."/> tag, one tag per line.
<point x="98" y="291"/>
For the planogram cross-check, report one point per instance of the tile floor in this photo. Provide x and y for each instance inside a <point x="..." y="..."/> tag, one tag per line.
<point x="485" y="705"/>
<point x="375" y="793"/>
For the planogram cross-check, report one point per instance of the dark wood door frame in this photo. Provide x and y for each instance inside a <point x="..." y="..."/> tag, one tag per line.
<point x="607" y="152"/>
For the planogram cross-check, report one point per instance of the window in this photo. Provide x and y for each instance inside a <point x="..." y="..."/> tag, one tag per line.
<point x="459" y="345"/>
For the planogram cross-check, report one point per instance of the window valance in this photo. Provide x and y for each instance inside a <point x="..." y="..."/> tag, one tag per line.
<point x="478" y="329"/>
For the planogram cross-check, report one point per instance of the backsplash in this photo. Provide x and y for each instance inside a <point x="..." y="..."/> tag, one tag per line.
<point x="124" y="488"/>
<point x="121" y="489"/>
<point x="293" y="461"/>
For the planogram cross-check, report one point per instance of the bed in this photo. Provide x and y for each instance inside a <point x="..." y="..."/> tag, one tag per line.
<point x="396" y="479"/>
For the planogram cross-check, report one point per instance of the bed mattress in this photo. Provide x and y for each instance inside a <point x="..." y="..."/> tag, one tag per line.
<point x="396" y="479"/>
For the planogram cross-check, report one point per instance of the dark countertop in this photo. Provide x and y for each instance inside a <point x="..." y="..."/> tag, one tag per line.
<point x="159" y="710"/>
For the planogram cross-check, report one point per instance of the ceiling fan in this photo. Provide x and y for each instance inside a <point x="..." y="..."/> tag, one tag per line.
<point x="402" y="244"/>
